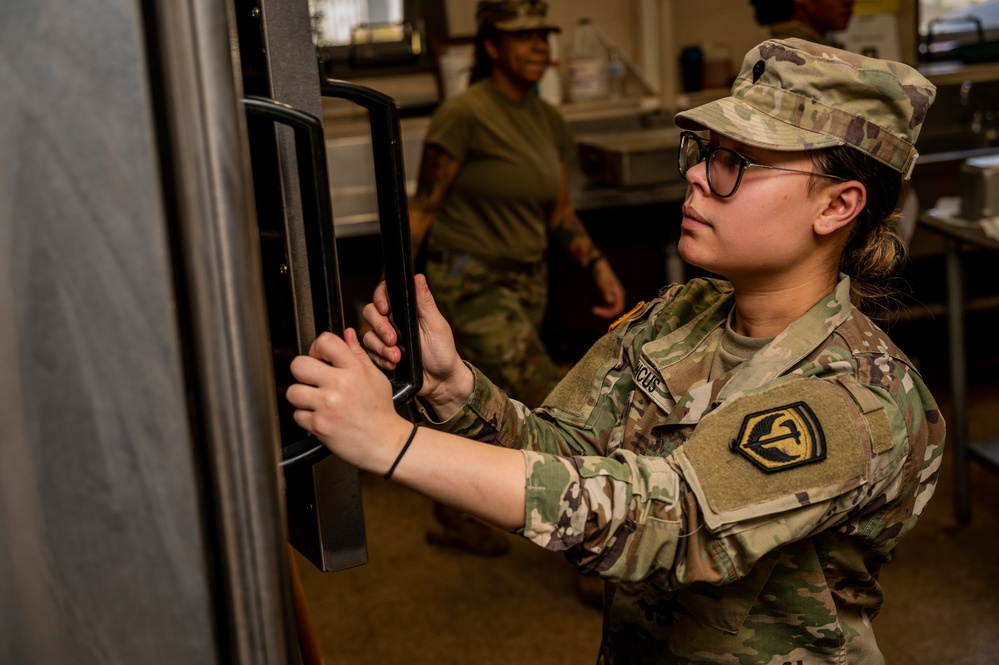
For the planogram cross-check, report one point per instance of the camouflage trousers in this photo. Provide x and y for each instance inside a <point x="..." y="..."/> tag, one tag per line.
<point x="495" y="315"/>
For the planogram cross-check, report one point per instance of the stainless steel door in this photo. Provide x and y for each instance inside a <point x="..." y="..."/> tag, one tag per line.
<point x="140" y="506"/>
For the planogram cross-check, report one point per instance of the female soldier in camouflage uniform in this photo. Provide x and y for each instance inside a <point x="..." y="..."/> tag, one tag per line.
<point x="736" y="458"/>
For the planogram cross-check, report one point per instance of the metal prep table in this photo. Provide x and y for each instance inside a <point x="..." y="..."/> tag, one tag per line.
<point x="958" y="232"/>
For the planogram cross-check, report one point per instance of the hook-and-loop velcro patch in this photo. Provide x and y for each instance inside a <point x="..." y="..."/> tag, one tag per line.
<point x="789" y="446"/>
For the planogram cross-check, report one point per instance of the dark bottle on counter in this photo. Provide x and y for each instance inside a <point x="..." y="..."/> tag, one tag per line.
<point x="692" y="68"/>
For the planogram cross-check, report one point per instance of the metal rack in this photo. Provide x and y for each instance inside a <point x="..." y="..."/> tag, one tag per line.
<point x="957" y="232"/>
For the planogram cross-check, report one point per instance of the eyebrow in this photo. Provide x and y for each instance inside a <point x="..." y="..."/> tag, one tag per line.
<point x="739" y="149"/>
<point x="749" y="154"/>
<point x="743" y="149"/>
<point x="752" y="154"/>
<point x="714" y="140"/>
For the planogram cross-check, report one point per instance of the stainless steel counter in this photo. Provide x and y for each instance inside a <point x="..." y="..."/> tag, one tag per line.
<point x="348" y="150"/>
<point x="352" y="174"/>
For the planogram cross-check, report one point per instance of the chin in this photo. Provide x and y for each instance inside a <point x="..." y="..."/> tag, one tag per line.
<point x="702" y="261"/>
<point x="690" y="255"/>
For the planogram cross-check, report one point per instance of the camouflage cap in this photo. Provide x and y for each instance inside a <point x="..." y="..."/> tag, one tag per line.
<point x="512" y="15"/>
<point x="795" y="95"/>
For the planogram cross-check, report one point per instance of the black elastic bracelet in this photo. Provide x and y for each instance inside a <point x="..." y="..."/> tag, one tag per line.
<point x="402" y="452"/>
<point x="593" y="261"/>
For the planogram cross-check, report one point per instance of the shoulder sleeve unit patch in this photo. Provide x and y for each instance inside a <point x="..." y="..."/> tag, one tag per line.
<point x="781" y="438"/>
<point x="793" y="445"/>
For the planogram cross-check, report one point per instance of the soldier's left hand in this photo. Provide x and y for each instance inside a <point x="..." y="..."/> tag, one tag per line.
<point x="610" y="288"/>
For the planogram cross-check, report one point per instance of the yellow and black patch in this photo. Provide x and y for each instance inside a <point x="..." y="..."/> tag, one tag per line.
<point x="781" y="438"/>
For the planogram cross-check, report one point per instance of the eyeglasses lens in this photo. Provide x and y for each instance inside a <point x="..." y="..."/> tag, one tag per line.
<point x="690" y="153"/>
<point x="723" y="167"/>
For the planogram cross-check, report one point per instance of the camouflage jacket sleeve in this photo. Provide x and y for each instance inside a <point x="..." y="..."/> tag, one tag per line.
<point x="659" y="473"/>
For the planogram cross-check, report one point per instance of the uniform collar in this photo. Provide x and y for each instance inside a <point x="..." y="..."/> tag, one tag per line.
<point x="681" y="362"/>
<point x="794" y="343"/>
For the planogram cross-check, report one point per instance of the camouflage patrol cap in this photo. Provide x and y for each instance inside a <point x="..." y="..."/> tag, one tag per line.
<point x="512" y="15"/>
<point x="796" y="95"/>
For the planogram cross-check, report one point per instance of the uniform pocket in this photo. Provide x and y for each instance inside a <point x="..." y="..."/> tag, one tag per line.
<point x="726" y="607"/>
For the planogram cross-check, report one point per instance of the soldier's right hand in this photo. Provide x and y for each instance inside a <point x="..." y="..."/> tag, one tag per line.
<point x="447" y="381"/>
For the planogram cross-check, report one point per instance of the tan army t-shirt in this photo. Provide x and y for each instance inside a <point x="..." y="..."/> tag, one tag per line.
<point x="510" y="154"/>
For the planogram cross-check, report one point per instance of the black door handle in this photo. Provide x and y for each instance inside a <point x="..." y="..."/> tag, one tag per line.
<point x="393" y="216"/>
<point x="317" y="216"/>
<point x="320" y="241"/>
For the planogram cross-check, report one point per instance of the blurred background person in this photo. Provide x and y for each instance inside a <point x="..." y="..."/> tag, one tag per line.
<point x="492" y="189"/>
<point x="811" y="20"/>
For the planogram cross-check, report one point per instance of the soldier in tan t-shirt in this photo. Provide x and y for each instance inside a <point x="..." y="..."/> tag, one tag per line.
<point x="492" y="191"/>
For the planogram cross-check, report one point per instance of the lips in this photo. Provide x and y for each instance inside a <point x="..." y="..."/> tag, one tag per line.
<point x="692" y="216"/>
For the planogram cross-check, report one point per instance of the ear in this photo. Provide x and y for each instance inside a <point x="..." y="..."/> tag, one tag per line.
<point x="842" y="203"/>
<point x="491" y="49"/>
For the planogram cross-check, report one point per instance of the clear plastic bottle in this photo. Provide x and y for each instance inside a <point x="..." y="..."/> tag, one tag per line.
<point x="587" y="65"/>
<point x="615" y="75"/>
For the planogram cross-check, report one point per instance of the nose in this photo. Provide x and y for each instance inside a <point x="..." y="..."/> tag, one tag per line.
<point x="697" y="176"/>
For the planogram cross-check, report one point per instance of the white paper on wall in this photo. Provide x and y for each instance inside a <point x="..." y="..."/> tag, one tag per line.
<point x="874" y="35"/>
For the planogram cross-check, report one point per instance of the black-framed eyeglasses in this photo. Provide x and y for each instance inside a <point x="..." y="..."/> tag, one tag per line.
<point x="725" y="167"/>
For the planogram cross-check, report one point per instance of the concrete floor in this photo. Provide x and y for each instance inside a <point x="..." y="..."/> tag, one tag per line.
<point x="414" y="604"/>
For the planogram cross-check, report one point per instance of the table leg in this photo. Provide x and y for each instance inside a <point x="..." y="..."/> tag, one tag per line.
<point x="958" y="380"/>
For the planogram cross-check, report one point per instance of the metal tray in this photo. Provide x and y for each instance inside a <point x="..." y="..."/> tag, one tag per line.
<point x="629" y="159"/>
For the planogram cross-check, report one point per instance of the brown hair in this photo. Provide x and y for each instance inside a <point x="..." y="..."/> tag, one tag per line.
<point x="874" y="251"/>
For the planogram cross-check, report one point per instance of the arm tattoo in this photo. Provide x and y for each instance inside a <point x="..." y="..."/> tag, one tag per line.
<point x="437" y="173"/>
<point x="569" y="231"/>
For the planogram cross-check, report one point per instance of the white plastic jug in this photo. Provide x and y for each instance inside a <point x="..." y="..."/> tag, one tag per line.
<point x="587" y="65"/>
